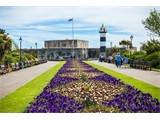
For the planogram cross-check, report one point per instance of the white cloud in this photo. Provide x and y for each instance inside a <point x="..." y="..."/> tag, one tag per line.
<point x="127" y="19"/>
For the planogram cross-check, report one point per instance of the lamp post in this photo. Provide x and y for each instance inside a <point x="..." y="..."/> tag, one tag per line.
<point x="20" y="52"/>
<point x="131" y="38"/>
<point x="36" y="50"/>
<point x="111" y="47"/>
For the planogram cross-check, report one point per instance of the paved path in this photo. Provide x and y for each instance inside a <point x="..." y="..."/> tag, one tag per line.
<point x="150" y="77"/>
<point x="11" y="81"/>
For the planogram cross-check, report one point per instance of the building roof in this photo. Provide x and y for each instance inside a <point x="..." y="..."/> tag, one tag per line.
<point x="66" y="40"/>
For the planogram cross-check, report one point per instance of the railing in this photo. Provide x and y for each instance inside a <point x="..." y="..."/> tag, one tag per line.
<point x="19" y="65"/>
<point x="139" y="64"/>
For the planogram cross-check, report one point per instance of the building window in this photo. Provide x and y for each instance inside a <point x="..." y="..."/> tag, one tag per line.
<point x="63" y="44"/>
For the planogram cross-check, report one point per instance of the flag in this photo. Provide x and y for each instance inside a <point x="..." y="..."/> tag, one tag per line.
<point x="69" y="20"/>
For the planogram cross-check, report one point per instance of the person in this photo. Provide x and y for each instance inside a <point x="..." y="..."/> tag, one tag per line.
<point x="110" y="58"/>
<point x="101" y="58"/>
<point x="118" y="60"/>
<point x="125" y="62"/>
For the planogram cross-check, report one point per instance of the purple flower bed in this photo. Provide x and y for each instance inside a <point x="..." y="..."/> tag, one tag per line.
<point x="130" y="100"/>
<point x="57" y="81"/>
<point x="54" y="102"/>
<point x="134" y="100"/>
<point x="109" y="79"/>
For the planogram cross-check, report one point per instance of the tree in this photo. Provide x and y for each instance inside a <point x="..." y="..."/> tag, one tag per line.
<point x="5" y="43"/>
<point x="2" y="31"/>
<point x="152" y="23"/>
<point x="125" y="43"/>
<point x="151" y="46"/>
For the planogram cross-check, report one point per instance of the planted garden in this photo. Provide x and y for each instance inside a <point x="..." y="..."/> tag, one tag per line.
<point x="78" y="87"/>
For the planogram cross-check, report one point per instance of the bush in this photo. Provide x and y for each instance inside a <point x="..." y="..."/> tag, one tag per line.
<point x="154" y="58"/>
<point x="155" y="63"/>
<point x="13" y="57"/>
<point x="136" y="55"/>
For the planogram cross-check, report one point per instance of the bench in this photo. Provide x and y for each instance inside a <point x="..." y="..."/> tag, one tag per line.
<point x="139" y="64"/>
<point x="17" y="66"/>
<point x="13" y="66"/>
<point x="3" y="69"/>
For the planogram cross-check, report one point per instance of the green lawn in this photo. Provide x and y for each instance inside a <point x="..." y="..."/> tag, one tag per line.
<point x="144" y="87"/>
<point x="20" y="99"/>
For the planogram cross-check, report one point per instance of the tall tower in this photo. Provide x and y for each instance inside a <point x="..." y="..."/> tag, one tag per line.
<point x="102" y="32"/>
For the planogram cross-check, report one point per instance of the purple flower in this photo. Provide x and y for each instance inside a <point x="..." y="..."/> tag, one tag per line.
<point x="132" y="100"/>
<point x="54" y="102"/>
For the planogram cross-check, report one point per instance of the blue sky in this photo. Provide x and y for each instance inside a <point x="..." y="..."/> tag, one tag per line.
<point x="37" y="24"/>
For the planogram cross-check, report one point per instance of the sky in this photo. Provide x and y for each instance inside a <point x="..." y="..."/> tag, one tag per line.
<point x="37" y="24"/>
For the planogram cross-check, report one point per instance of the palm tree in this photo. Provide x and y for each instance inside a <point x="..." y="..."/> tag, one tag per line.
<point x="14" y="46"/>
<point x="125" y="43"/>
<point x="5" y="43"/>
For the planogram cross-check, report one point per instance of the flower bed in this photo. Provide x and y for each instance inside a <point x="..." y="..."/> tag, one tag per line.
<point x="78" y="87"/>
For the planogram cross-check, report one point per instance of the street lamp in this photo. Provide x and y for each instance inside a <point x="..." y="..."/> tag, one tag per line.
<point x="131" y="38"/>
<point x="111" y="47"/>
<point x="20" y="52"/>
<point x="36" y="50"/>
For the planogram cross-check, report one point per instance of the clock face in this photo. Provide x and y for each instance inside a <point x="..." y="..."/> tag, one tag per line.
<point x="103" y="35"/>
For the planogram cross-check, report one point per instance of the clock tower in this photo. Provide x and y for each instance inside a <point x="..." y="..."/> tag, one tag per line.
<point x="102" y="32"/>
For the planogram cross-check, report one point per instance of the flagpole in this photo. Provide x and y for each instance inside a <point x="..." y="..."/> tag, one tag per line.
<point x="73" y="36"/>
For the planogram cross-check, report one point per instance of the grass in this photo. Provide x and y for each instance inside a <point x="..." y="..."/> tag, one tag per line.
<point x="20" y="99"/>
<point x="157" y="70"/>
<point x="144" y="87"/>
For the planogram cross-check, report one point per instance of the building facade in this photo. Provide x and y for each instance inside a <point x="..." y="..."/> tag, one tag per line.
<point x="55" y="49"/>
<point x="66" y="44"/>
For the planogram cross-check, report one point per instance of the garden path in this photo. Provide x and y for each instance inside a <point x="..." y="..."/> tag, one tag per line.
<point x="14" y="80"/>
<point x="150" y="77"/>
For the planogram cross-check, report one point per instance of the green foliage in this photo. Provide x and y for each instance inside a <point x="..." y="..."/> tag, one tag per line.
<point x="29" y="56"/>
<point x="138" y="55"/>
<point x="151" y="46"/>
<point x="135" y="55"/>
<point x="2" y="31"/>
<point x="88" y="102"/>
<point x="158" y="66"/>
<point x="10" y="58"/>
<point x="14" y="46"/>
<point x="125" y="43"/>
<point x="13" y="57"/>
<point x="113" y="51"/>
<point x="5" y="43"/>
<point x="154" y="58"/>
<point x="152" y="23"/>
